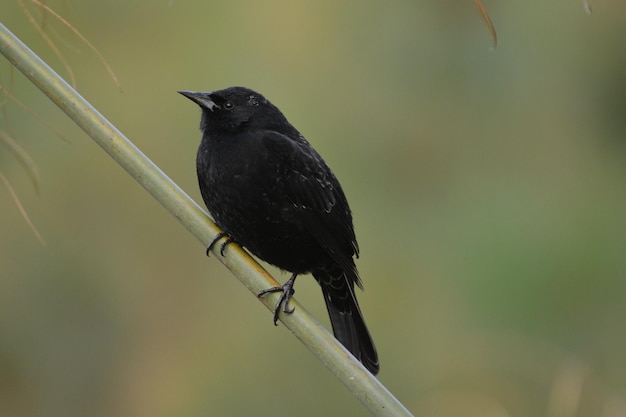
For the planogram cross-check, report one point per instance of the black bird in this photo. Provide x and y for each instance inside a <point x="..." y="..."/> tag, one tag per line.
<point x="272" y="193"/>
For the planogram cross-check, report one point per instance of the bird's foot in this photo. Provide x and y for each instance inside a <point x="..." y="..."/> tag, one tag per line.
<point x="287" y="292"/>
<point x="224" y="244"/>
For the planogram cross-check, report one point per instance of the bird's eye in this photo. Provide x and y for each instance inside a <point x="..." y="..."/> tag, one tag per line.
<point x="228" y="105"/>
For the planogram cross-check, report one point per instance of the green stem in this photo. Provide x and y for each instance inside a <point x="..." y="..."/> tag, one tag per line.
<point x="360" y="382"/>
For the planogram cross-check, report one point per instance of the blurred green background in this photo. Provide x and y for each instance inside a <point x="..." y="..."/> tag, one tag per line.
<point x="488" y="189"/>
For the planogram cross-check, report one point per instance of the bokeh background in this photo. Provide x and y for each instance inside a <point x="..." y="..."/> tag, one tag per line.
<point x="488" y="189"/>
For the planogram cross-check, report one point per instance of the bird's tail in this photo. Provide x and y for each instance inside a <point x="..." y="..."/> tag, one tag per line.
<point x="346" y="319"/>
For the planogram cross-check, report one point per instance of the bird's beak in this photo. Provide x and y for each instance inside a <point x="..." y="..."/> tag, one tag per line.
<point x="204" y="100"/>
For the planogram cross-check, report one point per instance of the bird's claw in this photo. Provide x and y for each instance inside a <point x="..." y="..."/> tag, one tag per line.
<point x="222" y="246"/>
<point x="287" y="292"/>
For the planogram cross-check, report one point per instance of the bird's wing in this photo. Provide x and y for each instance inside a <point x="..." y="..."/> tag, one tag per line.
<point x="316" y="196"/>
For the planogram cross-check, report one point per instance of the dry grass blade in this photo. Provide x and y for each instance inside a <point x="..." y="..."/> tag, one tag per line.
<point x="7" y="184"/>
<point x="587" y="6"/>
<point x="488" y="22"/>
<point x="3" y="100"/>
<point x="33" y="114"/>
<point x="51" y="44"/>
<point x="23" y="158"/>
<point x="82" y="38"/>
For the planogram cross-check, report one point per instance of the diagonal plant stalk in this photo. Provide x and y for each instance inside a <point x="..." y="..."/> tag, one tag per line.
<point x="314" y="336"/>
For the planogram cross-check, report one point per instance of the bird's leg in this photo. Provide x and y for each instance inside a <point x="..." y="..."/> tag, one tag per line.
<point x="223" y="246"/>
<point x="287" y="291"/>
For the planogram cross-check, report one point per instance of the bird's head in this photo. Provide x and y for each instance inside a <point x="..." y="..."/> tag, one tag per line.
<point x="234" y="109"/>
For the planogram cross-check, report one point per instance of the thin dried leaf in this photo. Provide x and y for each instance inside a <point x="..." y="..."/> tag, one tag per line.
<point x="24" y="159"/>
<point x="17" y="202"/>
<point x="82" y="38"/>
<point x="33" y="114"/>
<point x="51" y="44"/>
<point x="488" y="22"/>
